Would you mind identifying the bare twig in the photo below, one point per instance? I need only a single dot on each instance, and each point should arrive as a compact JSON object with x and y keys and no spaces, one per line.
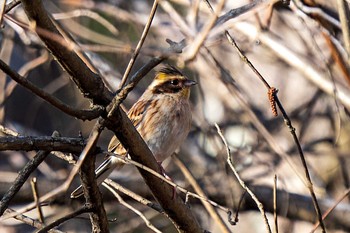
{"x":86,"y":13}
{"x":81,"y":114}
{"x":346,"y":194}
{"x":2,"y":11}
{"x":275,"y":203}
{"x":233,"y":13}
{"x":200,"y":38}
{"x":22,"y":177}
{"x":213,"y":213}
{"x":317,"y":11}
{"x":244,"y":186}
{"x":344,"y":15}
{"x":134,"y":196}
{"x":139,"y":44}
{"x":57,"y":222}
{"x":90,"y":146}
{"x":12,"y":5}
{"x":26,"y":68}
{"x":122,"y":202}
{"x":34,"y":186}
{"x":29,"y":221}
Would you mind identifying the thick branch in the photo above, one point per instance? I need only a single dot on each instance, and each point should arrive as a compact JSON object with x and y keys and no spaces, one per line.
{"x":89,"y":83}
{"x":93,"y":196}
{"x":28,"y":143}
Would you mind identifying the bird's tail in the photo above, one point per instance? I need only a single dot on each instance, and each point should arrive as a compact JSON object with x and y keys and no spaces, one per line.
{"x":102,"y":172}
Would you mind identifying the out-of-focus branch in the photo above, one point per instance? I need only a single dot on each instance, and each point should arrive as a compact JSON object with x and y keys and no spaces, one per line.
{"x":89,"y":83}
{"x":12,"y":5}
{"x":48,"y":228}
{"x":139,"y":44}
{"x":344,"y":16}
{"x":30,"y":221}
{"x":312,"y":73}
{"x":211,"y":210}
{"x":81,"y":114}
{"x":22,"y":177}
{"x":130,"y":207}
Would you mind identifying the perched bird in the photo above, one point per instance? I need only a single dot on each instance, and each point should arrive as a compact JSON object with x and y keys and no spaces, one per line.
{"x":162,"y":116}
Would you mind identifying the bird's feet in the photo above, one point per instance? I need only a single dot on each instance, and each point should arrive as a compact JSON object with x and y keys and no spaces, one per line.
{"x":168,"y":178}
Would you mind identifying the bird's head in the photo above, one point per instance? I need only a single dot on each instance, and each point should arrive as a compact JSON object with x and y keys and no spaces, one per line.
{"x":170,"y":80}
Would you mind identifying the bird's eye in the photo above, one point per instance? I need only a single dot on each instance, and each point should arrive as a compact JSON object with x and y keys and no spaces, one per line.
{"x":174,"y":82}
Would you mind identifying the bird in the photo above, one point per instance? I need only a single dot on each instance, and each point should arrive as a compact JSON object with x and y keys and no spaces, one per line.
{"x":162,"y":116}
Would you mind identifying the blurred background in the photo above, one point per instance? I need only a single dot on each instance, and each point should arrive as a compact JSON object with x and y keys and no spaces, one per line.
{"x":297,"y":46}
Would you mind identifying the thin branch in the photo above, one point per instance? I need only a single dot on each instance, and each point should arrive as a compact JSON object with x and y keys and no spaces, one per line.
{"x":22,"y":177}
{"x":27,"y":67}
{"x":246,"y":60}
{"x":81,"y":114}
{"x":134,"y":196}
{"x":244,"y":186}
{"x":29,"y":221}
{"x":2,"y":11}
{"x":87,"y":13}
{"x":34,"y":186}
{"x":344,"y":16}
{"x":139,"y":44}
{"x":227,"y":79}
{"x":212,"y":212}
{"x":57,"y":222}
{"x":275,"y":203}
{"x":340,"y":199}
{"x":122,"y":202}
{"x":233,"y":13}
{"x":90,"y":146}
{"x":288,"y":123}
{"x":200,"y":38}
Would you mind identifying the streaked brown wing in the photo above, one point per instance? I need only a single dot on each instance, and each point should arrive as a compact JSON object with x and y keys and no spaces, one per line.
{"x":113,"y":144}
{"x":135,"y":114}
{"x":137,"y":111}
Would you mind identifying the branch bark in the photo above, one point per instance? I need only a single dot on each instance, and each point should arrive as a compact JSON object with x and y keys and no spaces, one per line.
{"x":89,"y":83}
{"x":29,"y":143}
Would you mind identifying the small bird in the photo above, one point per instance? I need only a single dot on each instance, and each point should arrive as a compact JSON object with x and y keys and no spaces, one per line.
{"x":162,"y":116}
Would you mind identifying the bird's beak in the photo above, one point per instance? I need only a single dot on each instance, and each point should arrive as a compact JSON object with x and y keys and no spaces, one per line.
{"x":189,"y":83}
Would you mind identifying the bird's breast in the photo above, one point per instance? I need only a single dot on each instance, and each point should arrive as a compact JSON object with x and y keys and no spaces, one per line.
{"x":168,"y":126}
